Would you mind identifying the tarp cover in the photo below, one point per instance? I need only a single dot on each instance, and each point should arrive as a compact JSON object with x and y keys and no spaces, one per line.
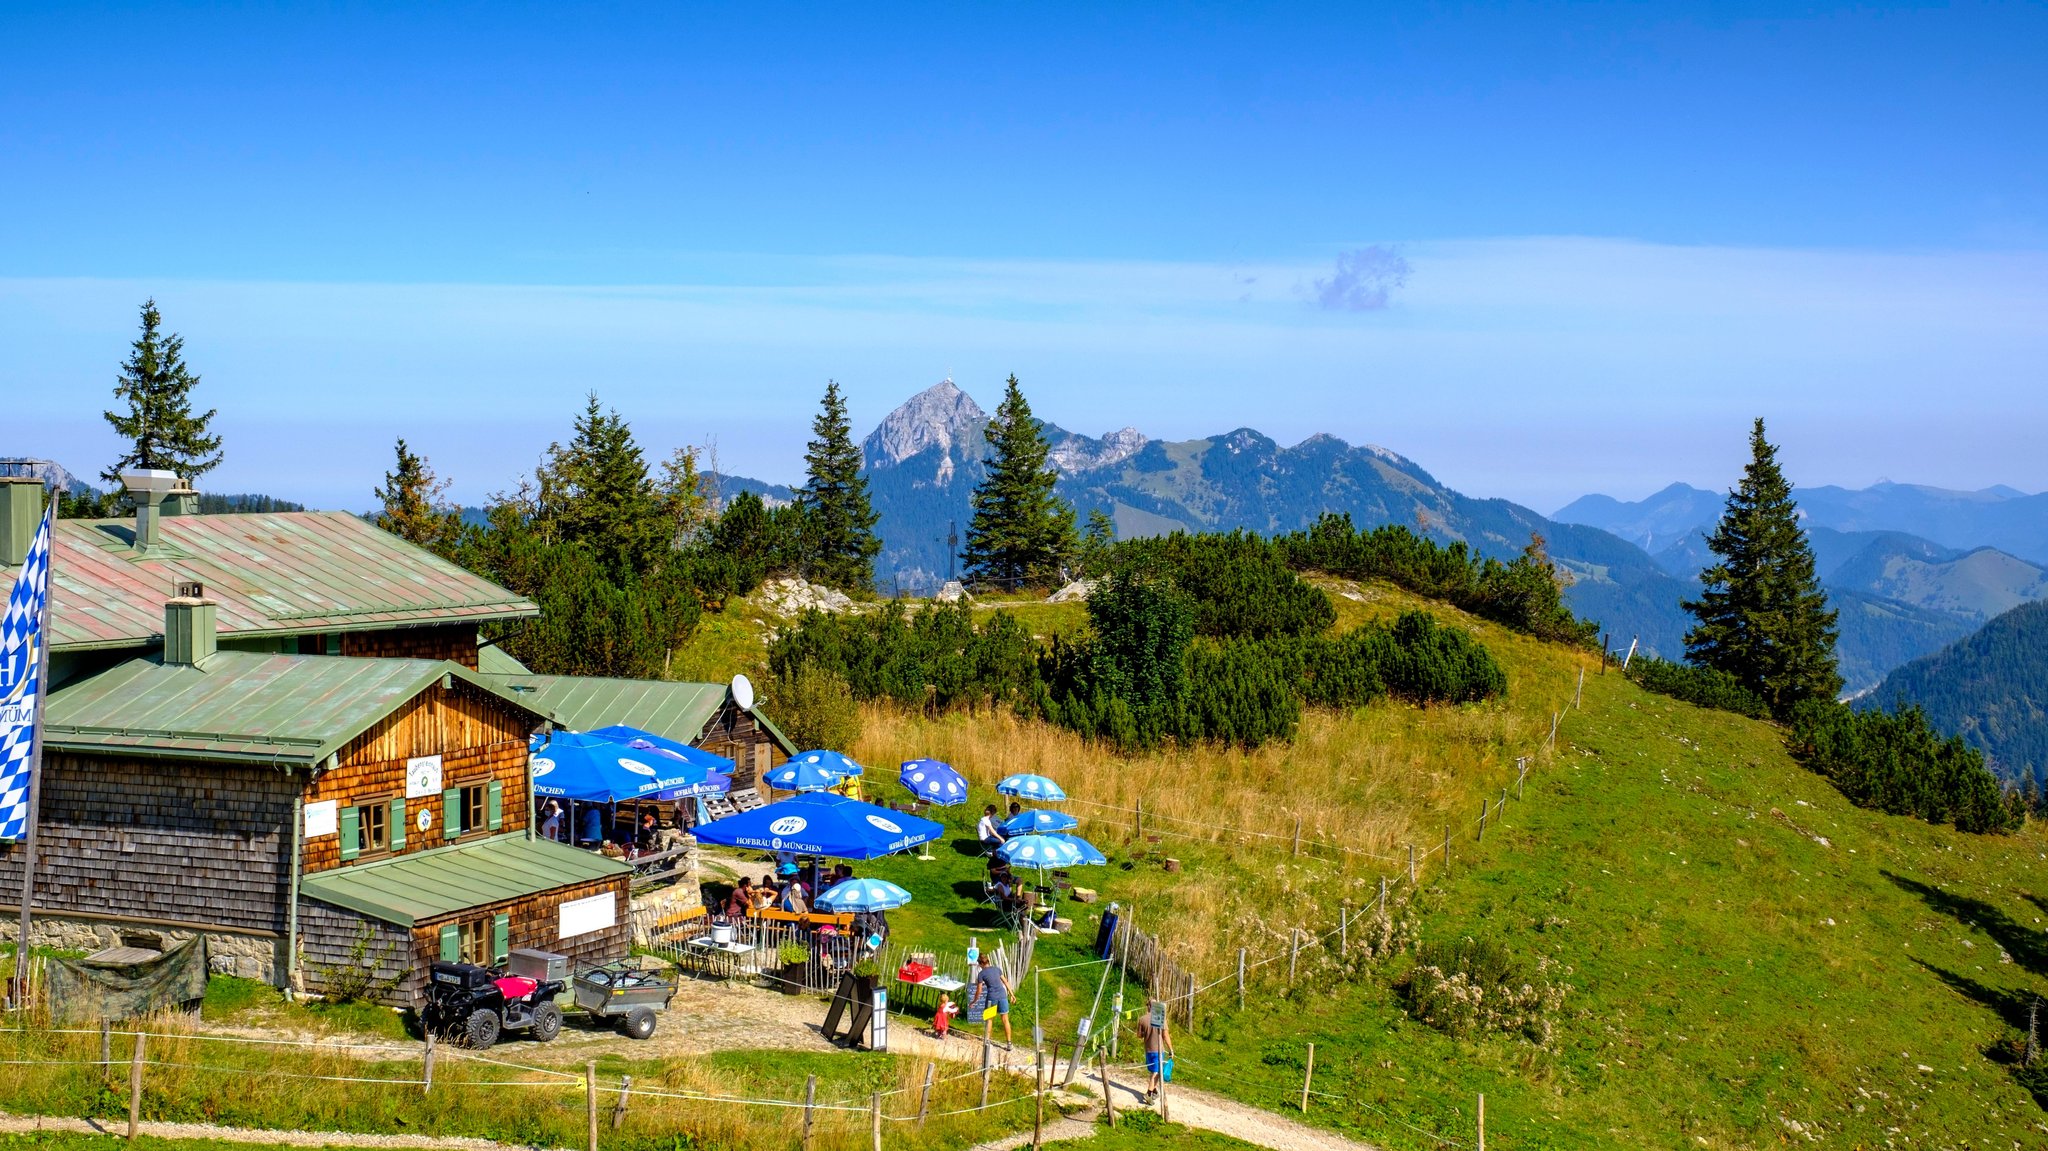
{"x":81,"y":989}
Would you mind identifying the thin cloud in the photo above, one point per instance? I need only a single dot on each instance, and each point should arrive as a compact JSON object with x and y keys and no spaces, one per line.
{"x":1364,"y":281}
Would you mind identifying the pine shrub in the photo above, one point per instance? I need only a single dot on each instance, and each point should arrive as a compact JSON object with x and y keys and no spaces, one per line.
{"x":1703,"y":686}
{"x":1896,"y":762}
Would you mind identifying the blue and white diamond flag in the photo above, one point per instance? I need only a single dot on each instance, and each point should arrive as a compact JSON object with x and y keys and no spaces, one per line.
{"x":21,"y":648}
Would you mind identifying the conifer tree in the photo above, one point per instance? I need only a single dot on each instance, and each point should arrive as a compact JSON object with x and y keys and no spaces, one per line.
{"x":596,"y":492}
{"x":1763,"y":617}
{"x":1022,"y":533}
{"x":838,"y":524}
{"x":161,"y":430}
{"x":413,"y":505}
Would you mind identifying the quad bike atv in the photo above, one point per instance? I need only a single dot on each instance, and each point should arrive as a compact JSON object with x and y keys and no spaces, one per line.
{"x":469,"y":1004}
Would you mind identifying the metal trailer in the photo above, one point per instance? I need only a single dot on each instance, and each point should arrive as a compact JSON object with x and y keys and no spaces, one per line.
{"x":623,"y":993}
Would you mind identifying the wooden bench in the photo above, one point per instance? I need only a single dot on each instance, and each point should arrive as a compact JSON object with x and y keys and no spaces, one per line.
{"x":841,"y":919}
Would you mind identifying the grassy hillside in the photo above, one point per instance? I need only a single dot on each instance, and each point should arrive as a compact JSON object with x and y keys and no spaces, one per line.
{"x":1752,"y":960}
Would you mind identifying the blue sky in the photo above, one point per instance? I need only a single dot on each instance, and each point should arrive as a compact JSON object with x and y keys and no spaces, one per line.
{"x":1542,"y":250}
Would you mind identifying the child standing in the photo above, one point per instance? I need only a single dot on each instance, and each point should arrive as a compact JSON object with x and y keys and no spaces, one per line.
{"x":943,"y":1017}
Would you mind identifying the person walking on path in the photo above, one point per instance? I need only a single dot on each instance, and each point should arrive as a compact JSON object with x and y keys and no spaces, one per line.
{"x":1158,"y":1047}
{"x":992,"y":996}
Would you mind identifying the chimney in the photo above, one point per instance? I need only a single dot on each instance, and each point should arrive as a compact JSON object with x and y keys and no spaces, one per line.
{"x":147,"y":488}
{"x":191,"y":632}
{"x":21,"y":512}
{"x":181,"y":501}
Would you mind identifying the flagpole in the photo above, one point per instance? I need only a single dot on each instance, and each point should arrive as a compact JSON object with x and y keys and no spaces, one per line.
{"x":35,"y":758}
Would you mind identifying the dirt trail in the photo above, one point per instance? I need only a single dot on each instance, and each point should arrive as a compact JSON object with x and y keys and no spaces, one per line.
{"x":22,"y":1124}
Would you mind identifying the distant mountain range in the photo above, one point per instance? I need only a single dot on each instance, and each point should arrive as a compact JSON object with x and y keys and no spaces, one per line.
{"x":1900,"y":560}
{"x":1990,"y":687}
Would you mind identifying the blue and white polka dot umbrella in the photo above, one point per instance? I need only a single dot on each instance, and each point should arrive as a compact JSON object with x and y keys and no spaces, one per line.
{"x":1032,"y":787}
{"x":1091,"y":856}
{"x":812,"y":771}
{"x":1039,"y":851}
{"x":1036,"y":822}
{"x":934,"y":782}
{"x":863,"y":895}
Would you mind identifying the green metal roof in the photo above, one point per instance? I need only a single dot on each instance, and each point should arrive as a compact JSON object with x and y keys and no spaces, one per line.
{"x":276,"y":573}
{"x":494,"y":660}
{"x":247,"y":706}
{"x":409,"y":889}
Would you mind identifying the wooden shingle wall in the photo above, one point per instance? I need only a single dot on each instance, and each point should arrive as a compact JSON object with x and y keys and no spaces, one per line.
{"x":535,"y":923}
{"x":478,"y":737}
{"x":455,"y":642}
{"x":162,"y":839}
{"x":329,"y":937}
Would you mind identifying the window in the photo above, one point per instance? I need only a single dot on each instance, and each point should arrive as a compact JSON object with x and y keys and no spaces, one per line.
{"x":373,"y":829}
{"x":485,"y":941}
{"x":476,"y":942}
{"x":472,"y":807}
{"x":475,"y":797}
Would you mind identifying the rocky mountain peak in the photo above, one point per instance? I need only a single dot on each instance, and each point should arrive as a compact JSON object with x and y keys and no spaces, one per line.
{"x":942,"y":416}
{"x":1072,"y":454}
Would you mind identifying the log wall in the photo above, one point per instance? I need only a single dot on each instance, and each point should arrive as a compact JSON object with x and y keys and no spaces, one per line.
{"x":452,"y":641}
{"x":738,"y":736}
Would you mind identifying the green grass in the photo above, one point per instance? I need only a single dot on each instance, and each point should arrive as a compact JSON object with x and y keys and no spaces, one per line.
{"x":69,"y":1141}
{"x":1144,"y":1131}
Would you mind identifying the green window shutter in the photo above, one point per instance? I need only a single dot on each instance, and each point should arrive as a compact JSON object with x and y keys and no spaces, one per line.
{"x":333,"y":645}
{"x":501,"y":937}
{"x":451,"y":942}
{"x":451,"y":812}
{"x":351,"y":832}
{"x":496,"y":806}
{"x":397,"y":825}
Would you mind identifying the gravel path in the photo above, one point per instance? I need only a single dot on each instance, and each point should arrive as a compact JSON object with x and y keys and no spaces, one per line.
{"x":21,"y":1124}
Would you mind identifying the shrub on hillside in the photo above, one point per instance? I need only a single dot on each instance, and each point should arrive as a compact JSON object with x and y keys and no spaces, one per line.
{"x":1239,"y":585}
{"x":935,"y":658}
{"x":1476,"y":985}
{"x":1703,"y":686}
{"x":1898,"y":763}
{"x":816,"y":708}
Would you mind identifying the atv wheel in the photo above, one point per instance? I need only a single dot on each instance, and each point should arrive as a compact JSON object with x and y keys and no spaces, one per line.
{"x":639,"y":1023}
{"x":480,"y":1030}
{"x":547,"y":1021}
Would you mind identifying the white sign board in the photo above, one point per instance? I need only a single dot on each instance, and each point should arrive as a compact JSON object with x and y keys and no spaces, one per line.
{"x":322,"y":818}
{"x":592,"y":913}
{"x":423,"y":777}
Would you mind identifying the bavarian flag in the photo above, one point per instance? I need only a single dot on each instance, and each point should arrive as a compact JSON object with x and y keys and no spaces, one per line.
{"x":22,"y":635}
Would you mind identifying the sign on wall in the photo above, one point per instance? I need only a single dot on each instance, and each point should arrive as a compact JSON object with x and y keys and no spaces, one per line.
{"x":423,"y":777}
{"x":321,"y":818}
{"x":591,"y":913}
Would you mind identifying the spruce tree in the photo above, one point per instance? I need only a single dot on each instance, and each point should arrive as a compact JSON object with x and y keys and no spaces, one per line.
{"x":1022,"y":533}
{"x":159,"y":425}
{"x":838,"y":524}
{"x":596,"y":492}
{"x":413,"y":505}
{"x":1763,"y":617}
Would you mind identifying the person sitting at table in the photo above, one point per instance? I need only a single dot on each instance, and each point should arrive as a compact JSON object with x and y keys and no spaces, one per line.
{"x":650,"y":833}
{"x":741,"y":901}
{"x":593,"y":826}
{"x":841,"y":874}
{"x":764,"y":893}
{"x":792,"y":899}
{"x":990,"y":835}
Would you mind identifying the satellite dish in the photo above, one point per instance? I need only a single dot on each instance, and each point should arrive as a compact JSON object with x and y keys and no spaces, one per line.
{"x":743,"y":692}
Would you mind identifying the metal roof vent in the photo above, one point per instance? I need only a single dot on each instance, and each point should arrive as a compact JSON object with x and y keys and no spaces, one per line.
{"x":21,"y":512}
{"x":191,"y":631}
{"x":148,"y":487}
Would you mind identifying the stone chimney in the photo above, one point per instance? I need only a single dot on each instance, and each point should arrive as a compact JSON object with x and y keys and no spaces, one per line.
{"x":147,"y":488}
{"x":21,"y":512}
{"x":191,"y":632}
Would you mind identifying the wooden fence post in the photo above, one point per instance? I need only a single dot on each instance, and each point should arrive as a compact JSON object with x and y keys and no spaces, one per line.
{"x":875,"y":1121}
{"x":1343,"y":929}
{"x":810,"y":1103}
{"x":984,"y":1070}
{"x":1383,"y":894}
{"x":1108,"y":1106}
{"x":1038,"y":1105}
{"x":1447,"y":850}
{"x":1240,"y":979}
{"x":1308,"y":1073}
{"x":135,"y":1087}
{"x":1579,"y":691}
{"x":1297,"y":835}
{"x":1521,"y":773}
{"x":1164,"y":1114}
{"x":924,"y":1098}
{"x":1482,"y":1122}
{"x":1294,"y":953}
{"x":1138,"y":820}
{"x":590,"y":1099}
{"x":1411,"y":865}
{"x":619,"y":1108}
{"x":427,"y":1064}
{"x":1483,"y":805}
{"x":106,"y":1047}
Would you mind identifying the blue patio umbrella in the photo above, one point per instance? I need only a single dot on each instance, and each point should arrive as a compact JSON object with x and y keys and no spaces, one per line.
{"x":573,"y":765}
{"x":1040,"y":851}
{"x":934,"y":782}
{"x":863,"y":895}
{"x":1037,"y":822}
{"x":1091,"y":856}
{"x":718,"y":769}
{"x":799,"y":776}
{"x":1032,"y":787}
{"x":821,"y":823}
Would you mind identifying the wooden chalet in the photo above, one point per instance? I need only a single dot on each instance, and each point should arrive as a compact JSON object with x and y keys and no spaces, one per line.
{"x":270,"y":729}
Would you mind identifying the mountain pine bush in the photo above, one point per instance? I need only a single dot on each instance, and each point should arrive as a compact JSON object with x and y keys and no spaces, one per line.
{"x":1702,"y":686}
{"x":1898,"y":763}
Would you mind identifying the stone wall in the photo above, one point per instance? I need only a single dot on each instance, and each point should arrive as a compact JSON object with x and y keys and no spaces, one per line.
{"x":249,"y":956}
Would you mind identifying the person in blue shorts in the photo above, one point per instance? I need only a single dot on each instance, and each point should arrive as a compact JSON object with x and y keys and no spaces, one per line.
{"x":1158,"y":1046}
{"x":992,"y":998}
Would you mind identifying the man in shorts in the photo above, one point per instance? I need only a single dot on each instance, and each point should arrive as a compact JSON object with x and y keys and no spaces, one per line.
{"x":1158,"y":1047}
{"x":992,"y":998}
